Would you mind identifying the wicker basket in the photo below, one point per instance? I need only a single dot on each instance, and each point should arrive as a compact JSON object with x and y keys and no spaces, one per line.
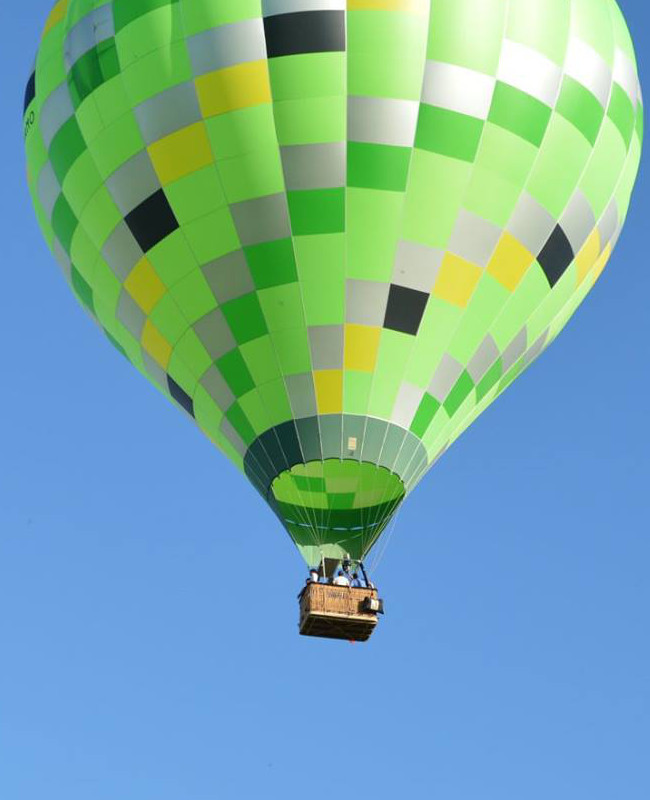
{"x":335,"y":612}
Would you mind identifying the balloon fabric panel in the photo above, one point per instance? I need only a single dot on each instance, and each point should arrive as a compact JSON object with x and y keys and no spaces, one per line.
{"x":332,"y":232}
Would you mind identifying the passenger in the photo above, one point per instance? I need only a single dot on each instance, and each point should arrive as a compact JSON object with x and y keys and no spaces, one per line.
{"x":313,"y":575}
{"x":341,"y":579}
{"x":356,"y":581}
{"x":343,"y":575}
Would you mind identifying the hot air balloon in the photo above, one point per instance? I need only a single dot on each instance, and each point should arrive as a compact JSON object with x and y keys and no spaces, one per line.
{"x":332,"y":231}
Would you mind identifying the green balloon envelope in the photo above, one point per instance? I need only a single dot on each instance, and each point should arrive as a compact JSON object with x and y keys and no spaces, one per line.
{"x":333,"y":232}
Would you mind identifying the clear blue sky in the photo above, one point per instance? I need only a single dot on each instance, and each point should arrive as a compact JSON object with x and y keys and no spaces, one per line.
{"x":148,"y":644}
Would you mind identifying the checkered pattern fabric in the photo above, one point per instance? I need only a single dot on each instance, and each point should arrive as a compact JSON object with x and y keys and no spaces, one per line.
{"x":333,"y":231}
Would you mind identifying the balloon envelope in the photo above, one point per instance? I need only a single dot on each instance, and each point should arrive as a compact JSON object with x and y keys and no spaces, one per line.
{"x":332,"y":232}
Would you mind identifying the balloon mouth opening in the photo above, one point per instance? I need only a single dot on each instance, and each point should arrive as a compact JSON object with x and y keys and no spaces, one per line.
{"x":336,"y":506}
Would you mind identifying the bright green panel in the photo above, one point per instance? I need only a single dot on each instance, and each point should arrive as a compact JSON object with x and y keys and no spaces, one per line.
{"x":621,"y":112}
{"x":94,"y":68}
{"x":317,"y":211}
{"x":245,"y":318}
{"x":448,"y":133}
{"x":579,"y":106}
{"x":519,"y":113}
{"x":66,"y":147}
{"x":272,"y":263}
{"x":461,"y":390}
{"x":378,"y":166}
{"x":127,"y":11}
{"x":426,"y":412}
{"x":235,"y":370}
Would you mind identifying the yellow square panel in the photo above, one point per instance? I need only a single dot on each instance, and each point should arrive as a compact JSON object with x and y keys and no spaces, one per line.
{"x":509,"y":262}
{"x":156,"y":345}
{"x":56,"y":15}
{"x":144,"y":285}
{"x":588,"y":255}
{"x":361,"y":344}
{"x":329,"y":391}
{"x":241,"y":86}
{"x":601,"y":263}
{"x":410,"y":6}
{"x":456,"y":280}
{"x":181,"y":152}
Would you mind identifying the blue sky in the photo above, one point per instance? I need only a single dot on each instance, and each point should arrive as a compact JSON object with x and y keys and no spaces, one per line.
{"x":147,"y":597}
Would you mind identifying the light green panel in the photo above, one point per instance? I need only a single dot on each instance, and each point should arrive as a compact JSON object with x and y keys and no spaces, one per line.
{"x":196,"y":194}
{"x":542,"y":25}
{"x":211,"y":236}
{"x":200,"y":16}
{"x":429,"y":217}
{"x":291,"y":349}
{"x":394,"y":351}
{"x":260,"y":359}
{"x":191,"y":352}
{"x":559,"y":166}
{"x":468,"y":33}
{"x":532,"y":290}
{"x":149,"y":33}
{"x":604,"y":169}
{"x":162,"y":69}
{"x":487,"y":301}
{"x":374,"y":218}
{"x":592,"y":22}
{"x":386,"y":50}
